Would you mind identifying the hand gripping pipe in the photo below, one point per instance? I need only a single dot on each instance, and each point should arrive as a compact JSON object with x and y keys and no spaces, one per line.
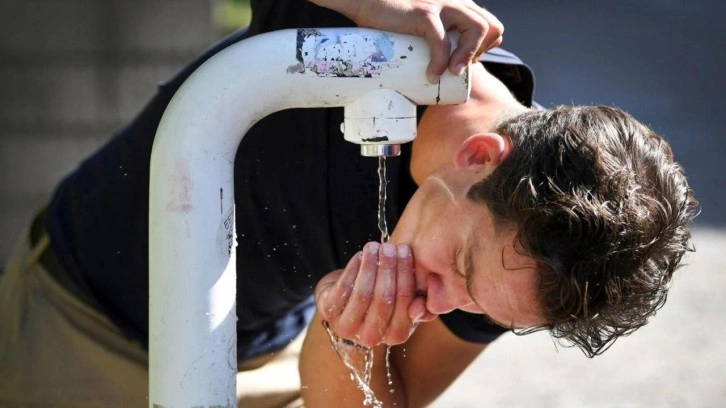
{"x":377,"y":76}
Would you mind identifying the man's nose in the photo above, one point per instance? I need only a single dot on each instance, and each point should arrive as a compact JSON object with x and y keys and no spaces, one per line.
{"x":450,"y":294}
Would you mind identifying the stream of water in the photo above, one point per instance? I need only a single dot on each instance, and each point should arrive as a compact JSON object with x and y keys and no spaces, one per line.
{"x":362,"y":375}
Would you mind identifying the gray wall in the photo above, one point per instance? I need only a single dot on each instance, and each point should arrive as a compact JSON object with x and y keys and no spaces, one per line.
{"x":73,"y":71}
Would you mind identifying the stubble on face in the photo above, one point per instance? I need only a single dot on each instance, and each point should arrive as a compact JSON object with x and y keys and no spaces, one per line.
{"x":502,"y":280}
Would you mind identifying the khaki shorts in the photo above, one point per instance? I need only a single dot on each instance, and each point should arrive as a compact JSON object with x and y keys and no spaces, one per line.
{"x":55,"y":351}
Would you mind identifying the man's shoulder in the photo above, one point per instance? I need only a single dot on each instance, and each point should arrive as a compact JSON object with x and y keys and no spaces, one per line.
{"x":512,"y":71}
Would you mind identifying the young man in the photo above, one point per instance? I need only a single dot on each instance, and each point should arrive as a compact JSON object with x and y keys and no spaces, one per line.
{"x":74,"y":304}
{"x":571,"y":220}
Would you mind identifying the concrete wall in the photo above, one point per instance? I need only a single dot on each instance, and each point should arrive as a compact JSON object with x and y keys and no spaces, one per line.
{"x":73,"y":71}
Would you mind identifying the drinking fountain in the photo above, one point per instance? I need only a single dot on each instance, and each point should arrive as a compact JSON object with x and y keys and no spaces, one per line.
{"x":377,"y":76}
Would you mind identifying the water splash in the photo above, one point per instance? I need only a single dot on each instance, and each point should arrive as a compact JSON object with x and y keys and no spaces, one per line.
{"x":362,"y":377}
{"x":383,"y":227}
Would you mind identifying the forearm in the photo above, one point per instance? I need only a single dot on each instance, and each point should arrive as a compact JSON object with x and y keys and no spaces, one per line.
{"x":326,"y":381}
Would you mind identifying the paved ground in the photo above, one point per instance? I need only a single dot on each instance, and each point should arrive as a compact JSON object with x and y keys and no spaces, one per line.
{"x":678,"y":360}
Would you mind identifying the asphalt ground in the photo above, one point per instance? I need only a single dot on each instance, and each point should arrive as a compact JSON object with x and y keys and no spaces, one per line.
{"x":677,"y":360}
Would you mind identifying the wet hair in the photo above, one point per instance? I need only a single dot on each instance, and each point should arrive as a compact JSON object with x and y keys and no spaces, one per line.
{"x":599,"y":202}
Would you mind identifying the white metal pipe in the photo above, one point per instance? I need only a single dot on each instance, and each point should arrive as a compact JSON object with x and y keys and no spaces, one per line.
{"x":192,"y":263}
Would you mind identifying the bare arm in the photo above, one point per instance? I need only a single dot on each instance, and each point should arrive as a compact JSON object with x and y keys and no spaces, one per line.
{"x":421,"y":368}
{"x":431,"y":360}
{"x":480,"y":30}
{"x":372,"y":301}
{"x":326,"y":381}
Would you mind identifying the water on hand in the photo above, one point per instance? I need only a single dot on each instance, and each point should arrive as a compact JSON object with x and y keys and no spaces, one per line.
{"x":362,"y":377}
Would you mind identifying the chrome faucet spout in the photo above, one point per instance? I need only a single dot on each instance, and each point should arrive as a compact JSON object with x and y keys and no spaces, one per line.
{"x":380,"y":121}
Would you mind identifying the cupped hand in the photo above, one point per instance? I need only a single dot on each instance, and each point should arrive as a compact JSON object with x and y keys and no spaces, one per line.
{"x":479,"y":29}
{"x":373,"y":300}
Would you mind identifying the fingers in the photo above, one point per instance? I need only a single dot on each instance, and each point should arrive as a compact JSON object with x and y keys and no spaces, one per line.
{"x":378,"y":316}
{"x":334,"y":289}
{"x":368,"y":302}
{"x":493,"y":30}
{"x":440,"y":49}
{"x":401,"y":326}
{"x":495,"y":34}
{"x":350,"y":324}
{"x":479,"y":31}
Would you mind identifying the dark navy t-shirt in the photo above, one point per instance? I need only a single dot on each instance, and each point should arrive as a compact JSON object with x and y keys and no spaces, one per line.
{"x":306,"y":201}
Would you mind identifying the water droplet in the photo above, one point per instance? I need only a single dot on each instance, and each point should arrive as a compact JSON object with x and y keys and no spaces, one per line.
{"x":362,"y":377}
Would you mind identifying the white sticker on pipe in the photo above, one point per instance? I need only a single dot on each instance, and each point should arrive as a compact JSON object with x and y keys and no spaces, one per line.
{"x":345,"y":52}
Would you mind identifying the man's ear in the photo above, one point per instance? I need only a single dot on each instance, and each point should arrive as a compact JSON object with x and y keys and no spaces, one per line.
{"x":482,"y":149}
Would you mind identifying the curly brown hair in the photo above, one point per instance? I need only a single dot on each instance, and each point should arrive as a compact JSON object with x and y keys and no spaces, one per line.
{"x":599,"y":202}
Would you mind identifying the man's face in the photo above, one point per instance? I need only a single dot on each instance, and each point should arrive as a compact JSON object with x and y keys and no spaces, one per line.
{"x":463,"y":262}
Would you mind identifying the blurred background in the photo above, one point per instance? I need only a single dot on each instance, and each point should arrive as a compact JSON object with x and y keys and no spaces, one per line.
{"x":73,"y":71}
{"x":660,"y":60}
